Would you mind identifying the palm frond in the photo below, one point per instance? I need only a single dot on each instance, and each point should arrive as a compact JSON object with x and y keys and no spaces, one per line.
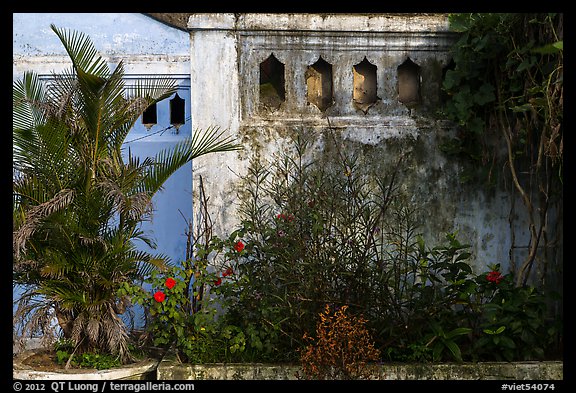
{"x":28,"y":106}
{"x":46,"y":154}
{"x":212,"y":140}
{"x":35,"y":215}
{"x":38,"y":317}
{"x":168,"y":161}
{"x":152,"y":89}
{"x":82,"y":52}
{"x":115,"y":335}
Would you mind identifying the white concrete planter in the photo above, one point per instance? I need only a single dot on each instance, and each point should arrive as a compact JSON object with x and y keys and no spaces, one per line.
{"x":145,"y":369}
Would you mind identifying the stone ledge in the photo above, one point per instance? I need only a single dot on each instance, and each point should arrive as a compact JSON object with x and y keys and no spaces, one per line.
{"x":382,"y":22}
{"x":170,"y":369}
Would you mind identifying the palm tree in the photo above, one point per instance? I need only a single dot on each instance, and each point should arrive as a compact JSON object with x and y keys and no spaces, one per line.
{"x":77,"y":204}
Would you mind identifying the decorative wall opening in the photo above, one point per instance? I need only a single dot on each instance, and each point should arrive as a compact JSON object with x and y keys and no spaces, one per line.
{"x":150,"y":116}
{"x":448,"y":67}
{"x":365,"y":85}
{"x":272,"y":83}
{"x":319,"y":84}
{"x":409,"y":83}
{"x":177,"y":111}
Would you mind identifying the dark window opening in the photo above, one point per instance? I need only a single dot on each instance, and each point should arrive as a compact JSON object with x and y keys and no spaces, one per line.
{"x":177,"y":118}
{"x":409,"y":83}
{"x":319,"y":84}
{"x":150,"y":117}
{"x":365,"y":85}
{"x":272,"y":90}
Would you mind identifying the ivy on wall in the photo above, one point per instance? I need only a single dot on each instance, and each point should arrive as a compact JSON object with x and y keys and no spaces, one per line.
{"x":505,"y":91}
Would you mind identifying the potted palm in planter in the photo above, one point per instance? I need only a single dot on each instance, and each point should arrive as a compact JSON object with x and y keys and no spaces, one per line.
{"x":78,"y":203}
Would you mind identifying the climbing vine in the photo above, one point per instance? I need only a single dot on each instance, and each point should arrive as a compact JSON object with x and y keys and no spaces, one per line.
{"x":505,"y":92}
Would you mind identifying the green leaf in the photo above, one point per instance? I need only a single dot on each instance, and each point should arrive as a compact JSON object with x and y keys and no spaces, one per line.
{"x":437,"y":351}
{"x":526,"y":64}
{"x":521,"y":108}
{"x":559,"y":45}
{"x":476,"y":125}
{"x":485,"y":94}
{"x":451,"y":79}
{"x":507,"y":342}
{"x":555,"y":47}
{"x":458,"y":332}
{"x":454,"y":349}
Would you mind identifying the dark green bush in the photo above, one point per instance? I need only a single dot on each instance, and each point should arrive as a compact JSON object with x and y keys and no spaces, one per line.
{"x":318,"y":233}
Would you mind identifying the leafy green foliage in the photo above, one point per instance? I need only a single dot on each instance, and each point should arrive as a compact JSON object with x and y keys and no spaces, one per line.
{"x":505,"y":93}
{"x":315,"y":236}
{"x":197,"y":333}
{"x":511,"y":323}
{"x":65,"y":355}
{"x":501,"y":65}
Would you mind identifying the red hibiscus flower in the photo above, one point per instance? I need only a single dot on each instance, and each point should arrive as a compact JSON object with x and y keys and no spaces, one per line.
{"x":495,"y":277}
{"x":159,"y":296}
{"x":218,"y":282}
{"x":285,"y":217}
{"x":239,"y":246}
{"x":170,"y":282}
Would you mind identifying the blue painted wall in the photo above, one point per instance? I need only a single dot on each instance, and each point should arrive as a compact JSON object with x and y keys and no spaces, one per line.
{"x":134,"y":38}
{"x":112,"y":33}
{"x":147,"y":48}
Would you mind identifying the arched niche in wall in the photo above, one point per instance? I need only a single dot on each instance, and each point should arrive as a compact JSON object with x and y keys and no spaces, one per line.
{"x":319,"y":84}
{"x":365,"y":85}
{"x":409,"y":83}
{"x":272,"y":83}
{"x":177,"y":110}
{"x":448,"y":67}
{"x":150,"y":116}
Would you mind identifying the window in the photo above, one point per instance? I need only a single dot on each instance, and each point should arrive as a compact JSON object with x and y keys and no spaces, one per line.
{"x":409,"y":83}
{"x":272,"y":90}
{"x":365,"y":85}
{"x":319,"y":84}
{"x":177,"y":117}
{"x":150,"y":117}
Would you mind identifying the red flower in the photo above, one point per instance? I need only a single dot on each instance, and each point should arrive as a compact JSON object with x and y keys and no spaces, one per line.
{"x":228,"y":272}
{"x":218,"y":282}
{"x":495,"y":277}
{"x":239,"y":246}
{"x":285,"y":217}
{"x":170,"y":282}
{"x":159,"y":296}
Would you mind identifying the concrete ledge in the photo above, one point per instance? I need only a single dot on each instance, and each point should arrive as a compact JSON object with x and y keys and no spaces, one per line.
{"x":320,"y":22}
{"x":171,"y":369}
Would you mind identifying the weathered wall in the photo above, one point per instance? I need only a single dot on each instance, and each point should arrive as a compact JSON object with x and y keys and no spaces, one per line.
{"x":226,"y":53}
